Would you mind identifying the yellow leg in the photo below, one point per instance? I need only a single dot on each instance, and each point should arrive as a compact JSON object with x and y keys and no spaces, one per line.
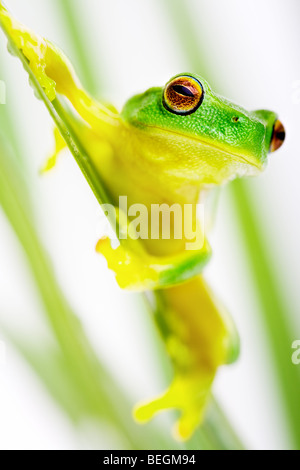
{"x":200,"y":337}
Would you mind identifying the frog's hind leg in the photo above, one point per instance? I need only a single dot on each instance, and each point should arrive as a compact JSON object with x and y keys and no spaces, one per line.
{"x":200,"y":337}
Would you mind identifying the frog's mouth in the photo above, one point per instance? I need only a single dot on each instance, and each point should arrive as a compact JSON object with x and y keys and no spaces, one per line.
{"x":270,"y":140}
{"x":244,"y":158}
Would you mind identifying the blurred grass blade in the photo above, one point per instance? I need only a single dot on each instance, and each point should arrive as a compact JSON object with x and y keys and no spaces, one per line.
{"x":74,"y":376}
{"x":216,"y":432}
{"x":269,"y":291}
{"x":274,"y":307}
{"x":70,"y":13}
{"x":60,"y":118}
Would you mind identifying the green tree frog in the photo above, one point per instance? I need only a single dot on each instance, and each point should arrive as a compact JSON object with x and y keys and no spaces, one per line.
{"x":169,"y":145}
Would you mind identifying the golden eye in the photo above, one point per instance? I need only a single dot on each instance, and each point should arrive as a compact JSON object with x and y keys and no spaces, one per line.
{"x":278,"y":136}
{"x":183,"y":95}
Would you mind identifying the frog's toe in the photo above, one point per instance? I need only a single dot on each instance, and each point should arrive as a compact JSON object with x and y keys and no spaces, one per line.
{"x":104,"y":247}
{"x":116,"y":260}
{"x":146,"y":411}
{"x":131,"y":270}
{"x":60,"y":145}
{"x":189,"y":395}
{"x":188,"y":423}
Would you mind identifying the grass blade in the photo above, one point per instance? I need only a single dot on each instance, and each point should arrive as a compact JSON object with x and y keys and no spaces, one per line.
{"x":67,"y":330}
{"x":251,"y":226}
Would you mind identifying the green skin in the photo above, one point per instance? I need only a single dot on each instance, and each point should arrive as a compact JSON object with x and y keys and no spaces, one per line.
{"x":176,"y":158}
{"x":153,"y":155}
{"x":213,"y":123}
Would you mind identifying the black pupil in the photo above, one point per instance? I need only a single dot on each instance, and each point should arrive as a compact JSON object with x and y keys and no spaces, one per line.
{"x":280,"y":135}
{"x":183,"y":90}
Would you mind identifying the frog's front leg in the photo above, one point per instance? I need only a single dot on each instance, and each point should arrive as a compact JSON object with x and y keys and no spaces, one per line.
{"x":140,"y":271}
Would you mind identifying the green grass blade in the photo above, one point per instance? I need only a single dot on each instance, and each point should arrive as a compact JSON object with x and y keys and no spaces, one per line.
{"x":60,"y":118}
{"x":69,"y":13}
{"x":94,"y":392}
{"x":274,"y":308}
{"x":88,"y":386}
{"x":67,"y":330}
{"x":210,"y":437}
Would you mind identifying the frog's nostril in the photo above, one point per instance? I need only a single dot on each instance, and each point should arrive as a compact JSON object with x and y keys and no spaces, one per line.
{"x":278,"y":136}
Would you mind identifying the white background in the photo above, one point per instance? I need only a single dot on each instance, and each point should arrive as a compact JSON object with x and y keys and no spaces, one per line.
{"x":253,"y":46}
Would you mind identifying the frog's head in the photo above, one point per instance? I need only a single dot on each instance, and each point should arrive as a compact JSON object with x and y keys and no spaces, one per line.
{"x":193,"y":133}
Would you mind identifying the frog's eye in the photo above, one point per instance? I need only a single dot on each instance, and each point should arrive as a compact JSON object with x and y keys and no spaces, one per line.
{"x":278,"y":136}
{"x":183,"y":95}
